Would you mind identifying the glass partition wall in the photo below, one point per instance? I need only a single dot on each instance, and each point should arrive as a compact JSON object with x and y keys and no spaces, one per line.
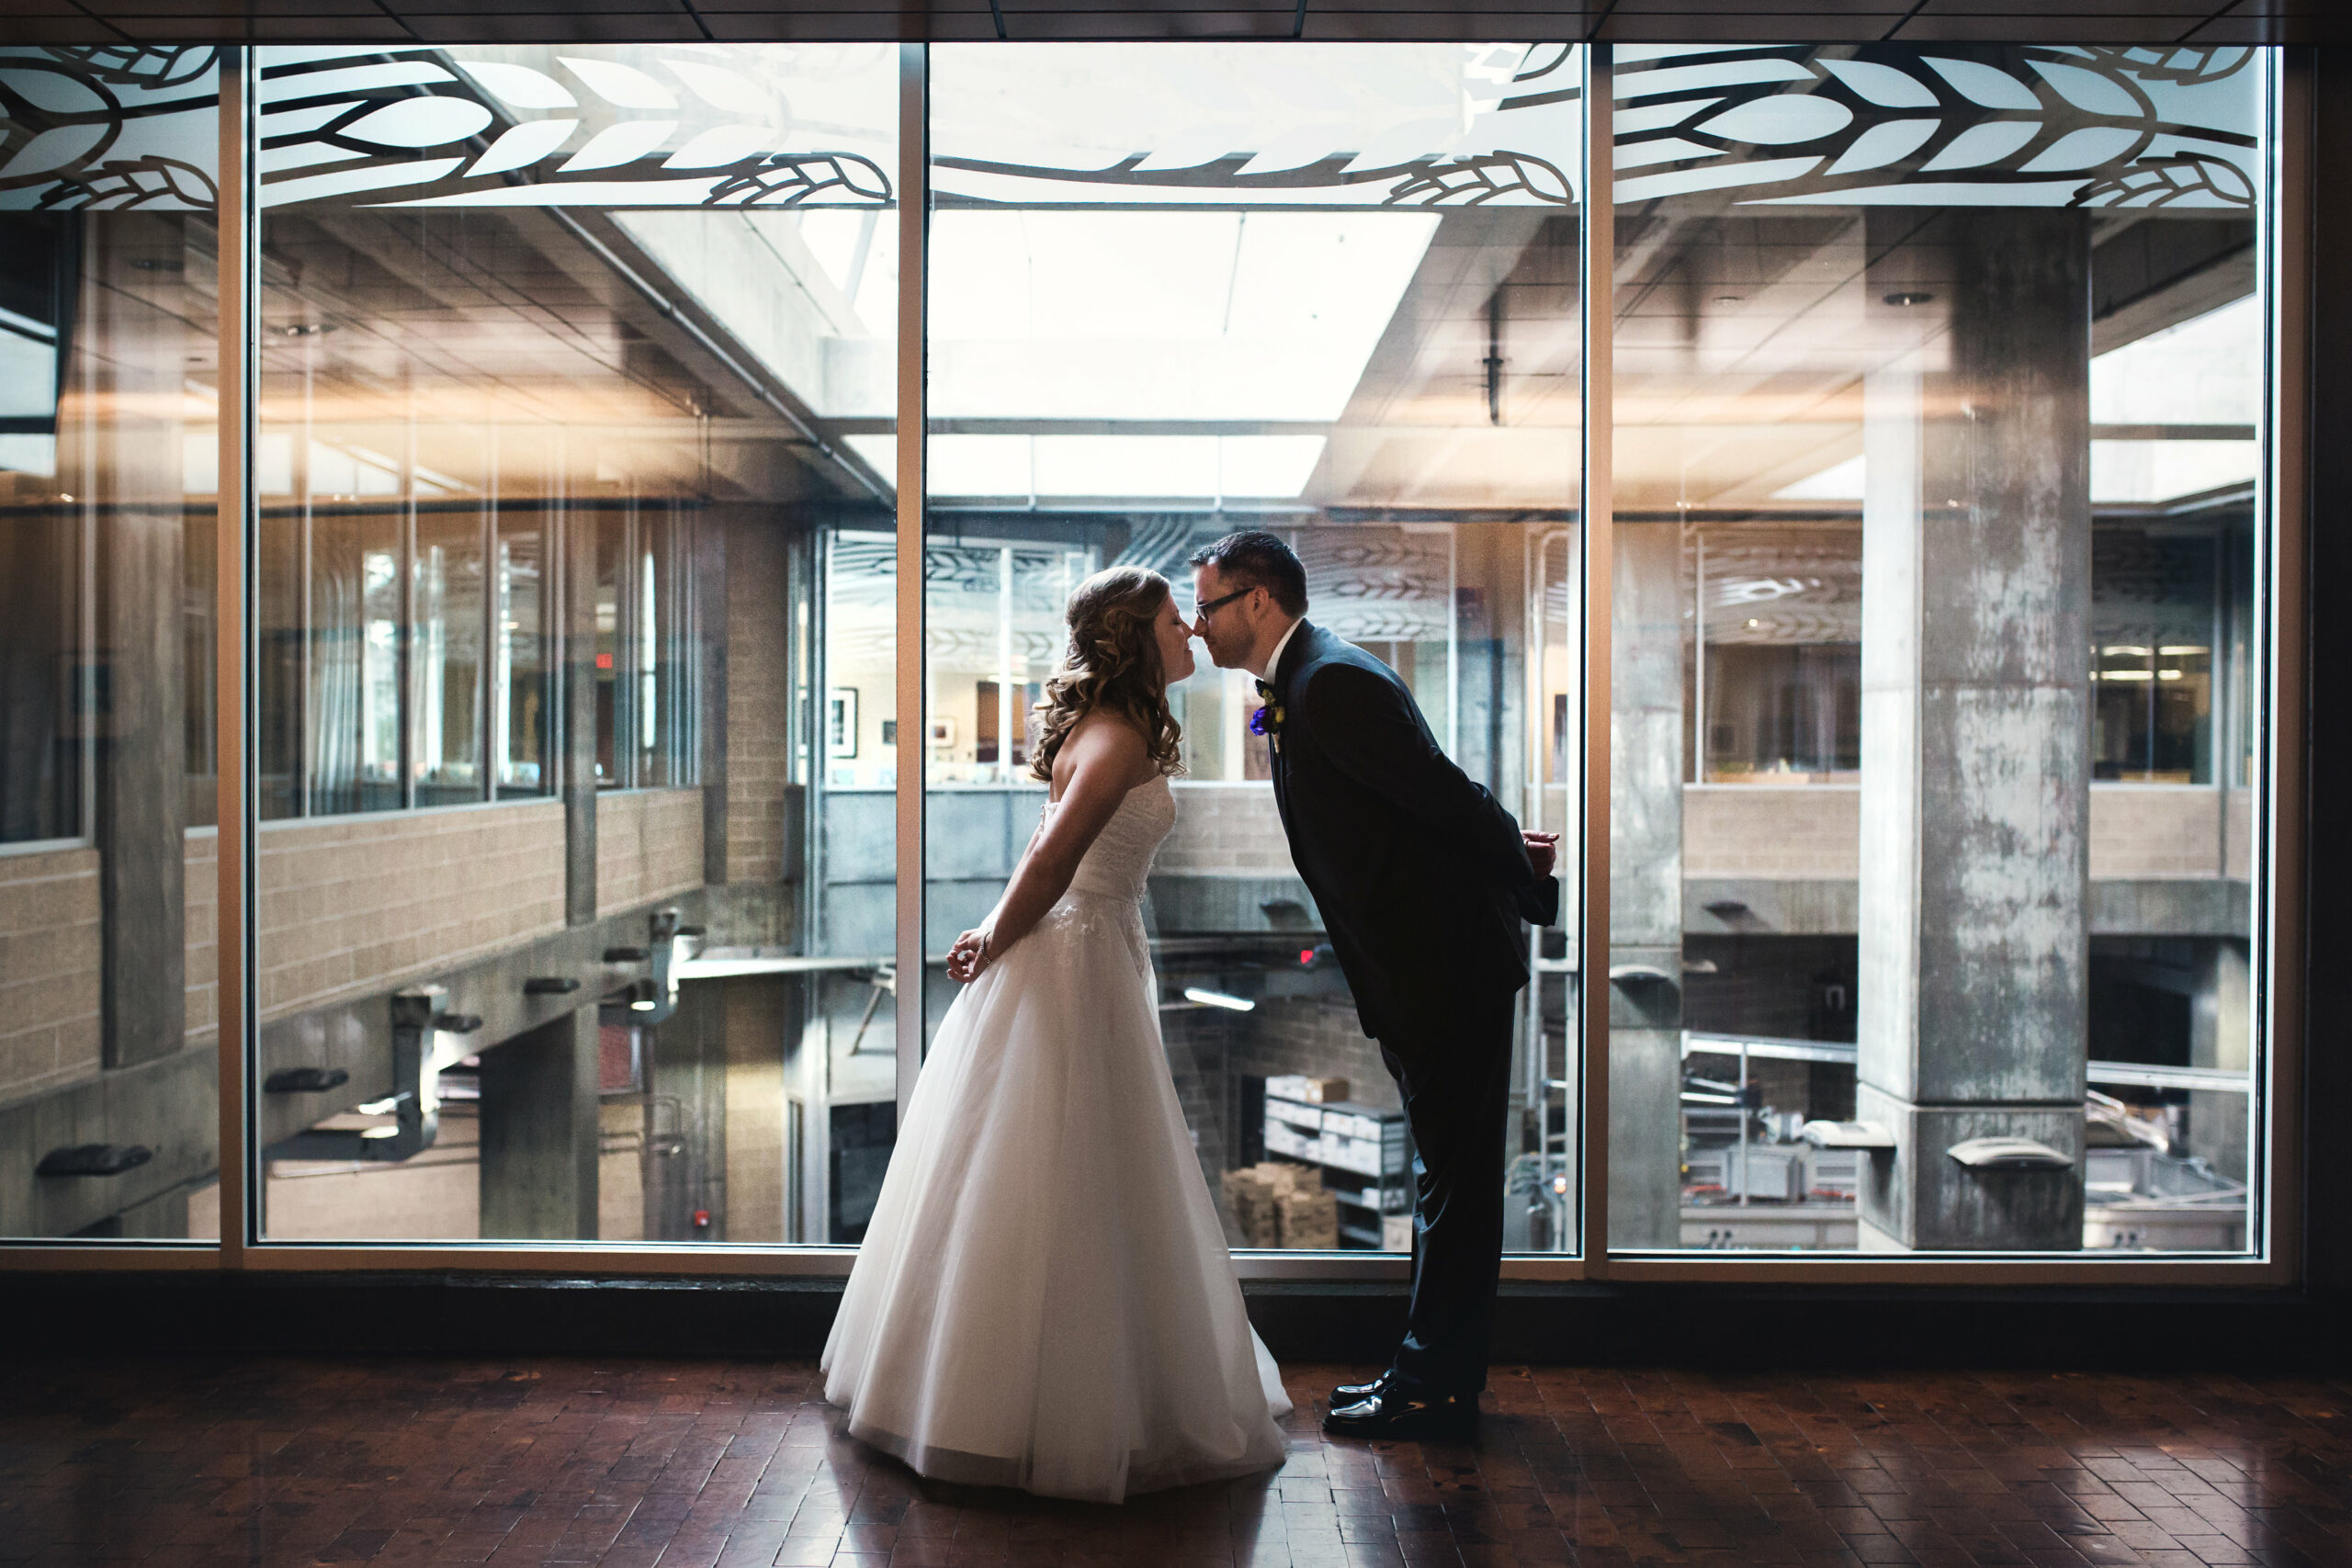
{"x":557,"y":577}
{"x":1331,"y":291}
{"x":110,"y":407}
{"x":1938,"y":382}
{"x":1929,"y":576}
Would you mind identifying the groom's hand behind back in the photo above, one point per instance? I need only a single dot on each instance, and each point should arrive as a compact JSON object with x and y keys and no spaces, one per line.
{"x":1544,"y":850}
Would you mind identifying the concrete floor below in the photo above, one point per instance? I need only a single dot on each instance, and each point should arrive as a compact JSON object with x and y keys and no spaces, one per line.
{"x":202,"y":1463}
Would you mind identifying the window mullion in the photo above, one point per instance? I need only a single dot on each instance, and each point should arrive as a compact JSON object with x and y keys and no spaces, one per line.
{"x":913,"y":195}
{"x":1598,"y":257}
{"x":234,"y":528}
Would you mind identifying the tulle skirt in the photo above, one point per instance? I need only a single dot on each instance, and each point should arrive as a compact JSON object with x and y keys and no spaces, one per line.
{"x":1043,"y":1299}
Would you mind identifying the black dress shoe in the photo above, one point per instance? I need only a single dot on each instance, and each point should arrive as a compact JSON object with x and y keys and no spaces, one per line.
{"x":1393,"y":1412}
{"x":1349,"y":1393}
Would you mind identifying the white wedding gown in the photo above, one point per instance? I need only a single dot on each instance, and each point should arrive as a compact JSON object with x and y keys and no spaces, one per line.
{"x":1043,"y":1298}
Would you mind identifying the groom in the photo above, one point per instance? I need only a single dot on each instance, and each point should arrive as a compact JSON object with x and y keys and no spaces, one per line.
{"x":1422,"y":881}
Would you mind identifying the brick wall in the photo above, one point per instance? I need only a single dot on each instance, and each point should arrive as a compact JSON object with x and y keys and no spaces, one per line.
{"x":648,"y":846}
{"x":50,"y":1027}
{"x":1228,"y":829}
{"x":346,"y":904}
{"x":754,"y":1024}
{"x":203,"y":933}
{"x":2153,"y":830}
{"x":1814,"y":831}
{"x":1761,"y":830}
{"x":759,"y":702}
{"x":1315,"y":1035}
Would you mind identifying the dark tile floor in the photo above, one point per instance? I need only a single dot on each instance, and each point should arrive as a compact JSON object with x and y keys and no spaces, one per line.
{"x":698,"y":1463}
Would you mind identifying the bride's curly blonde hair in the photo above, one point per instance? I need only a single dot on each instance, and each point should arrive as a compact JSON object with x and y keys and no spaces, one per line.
{"x":1113,"y":664}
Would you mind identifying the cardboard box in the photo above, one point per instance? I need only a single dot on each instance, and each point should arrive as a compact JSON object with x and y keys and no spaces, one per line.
{"x":1309,"y":1219}
{"x":1307,"y":1090}
{"x":1255,"y":1196}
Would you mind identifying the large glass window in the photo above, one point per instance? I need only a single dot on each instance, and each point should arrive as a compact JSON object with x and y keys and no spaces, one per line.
{"x":554,"y":346}
{"x":1938,"y":386}
{"x":1182,"y":290}
{"x":110,"y":397}
{"x":1938,"y":402}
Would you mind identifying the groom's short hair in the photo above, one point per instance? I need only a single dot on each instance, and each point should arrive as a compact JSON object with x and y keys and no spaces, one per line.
{"x":1256,"y":559}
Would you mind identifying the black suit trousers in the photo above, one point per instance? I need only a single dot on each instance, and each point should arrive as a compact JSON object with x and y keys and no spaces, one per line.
{"x":1456,"y":1077}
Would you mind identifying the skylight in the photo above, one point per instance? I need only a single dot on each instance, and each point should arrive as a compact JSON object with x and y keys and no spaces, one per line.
{"x":2182,"y":405}
{"x":1182,"y":315}
{"x":1842,"y":482}
{"x":2205,"y":370}
{"x":1141,"y":467}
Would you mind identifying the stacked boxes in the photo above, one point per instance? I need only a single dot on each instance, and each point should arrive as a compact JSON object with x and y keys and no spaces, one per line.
{"x":1309,"y":1216}
{"x":1294,"y":1130}
{"x":1283,"y":1205}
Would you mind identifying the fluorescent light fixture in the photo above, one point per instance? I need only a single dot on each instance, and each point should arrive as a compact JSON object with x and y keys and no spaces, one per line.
{"x":384,"y":1107}
{"x":1219,"y":999}
{"x":379,"y":1131}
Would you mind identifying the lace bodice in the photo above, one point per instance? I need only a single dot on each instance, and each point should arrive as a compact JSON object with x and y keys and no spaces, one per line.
{"x":1120,"y":857}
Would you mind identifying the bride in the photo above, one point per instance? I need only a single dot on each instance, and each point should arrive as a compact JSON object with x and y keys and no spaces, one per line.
{"x":1043,"y":1299}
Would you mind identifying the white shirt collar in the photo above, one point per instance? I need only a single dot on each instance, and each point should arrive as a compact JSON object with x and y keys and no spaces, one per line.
{"x":1275,"y":661}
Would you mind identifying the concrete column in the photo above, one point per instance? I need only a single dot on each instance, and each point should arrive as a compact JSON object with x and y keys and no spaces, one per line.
{"x":579,"y":745}
{"x":2221,"y":1034}
{"x":133,"y":377}
{"x":1645,"y":952}
{"x":540,"y":1133}
{"x":705,"y":571}
{"x":1974,"y":954}
{"x":686,"y":1084}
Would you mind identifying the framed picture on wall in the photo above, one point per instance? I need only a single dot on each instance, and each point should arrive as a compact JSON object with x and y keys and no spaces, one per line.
{"x":840,"y":722}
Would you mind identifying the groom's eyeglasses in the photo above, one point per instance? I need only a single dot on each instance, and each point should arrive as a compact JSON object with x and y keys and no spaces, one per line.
{"x":1202,"y":611}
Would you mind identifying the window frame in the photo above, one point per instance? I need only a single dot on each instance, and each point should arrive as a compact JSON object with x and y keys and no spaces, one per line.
{"x":2277,"y":790}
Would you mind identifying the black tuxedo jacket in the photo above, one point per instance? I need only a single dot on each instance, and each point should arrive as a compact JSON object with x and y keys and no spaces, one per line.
{"x":1420,"y":873}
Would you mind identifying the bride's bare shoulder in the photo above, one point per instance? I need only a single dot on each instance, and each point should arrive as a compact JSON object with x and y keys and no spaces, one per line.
{"x":1107,"y":736}
{"x":1105,"y":743}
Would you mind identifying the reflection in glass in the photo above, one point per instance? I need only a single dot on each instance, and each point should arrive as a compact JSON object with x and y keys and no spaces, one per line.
{"x":109,"y":444}
{"x":1182,"y":290}
{"x":521,"y":721}
{"x":1939,"y":385}
{"x":547,"y":472}
{"x":445,"y":658}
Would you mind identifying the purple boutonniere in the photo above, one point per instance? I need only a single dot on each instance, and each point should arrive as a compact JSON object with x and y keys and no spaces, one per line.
{"x":1268,"y":721}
